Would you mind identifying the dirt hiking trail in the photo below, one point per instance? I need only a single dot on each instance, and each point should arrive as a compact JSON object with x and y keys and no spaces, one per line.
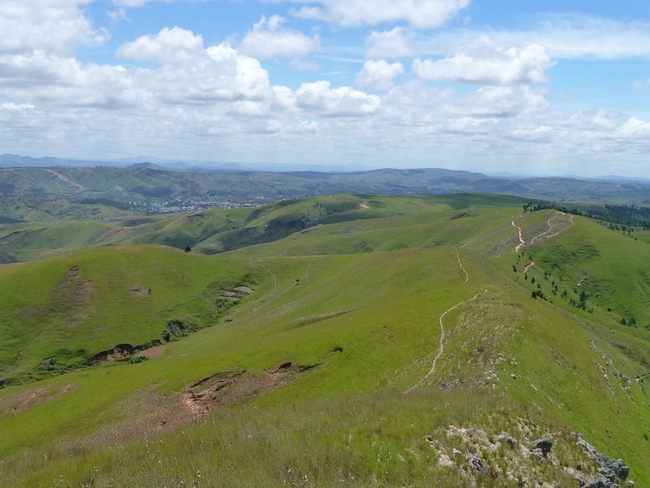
{"x":544,"y":235}
{"x":441,"y":347}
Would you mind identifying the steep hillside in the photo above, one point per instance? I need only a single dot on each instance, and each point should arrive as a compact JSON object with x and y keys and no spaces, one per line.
{"x":72,"y":308}
{"x":444,"y":356}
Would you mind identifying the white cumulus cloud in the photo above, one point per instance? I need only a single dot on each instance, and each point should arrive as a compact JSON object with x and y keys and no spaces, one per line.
{"x":503,"y":101}
{"x":319,"y":98}
{"x":486,"y":63}
{"x":566,"y":36}
{"x":378,"y":75}
{"x":395,"y":43}
{"x":168,"y":46}
{"x":418,"y":13}
{"x":51,"y":26}
{"x":268,"y":40}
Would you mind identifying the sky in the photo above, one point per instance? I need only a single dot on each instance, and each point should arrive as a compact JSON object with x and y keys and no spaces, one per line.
{"x":513,"y":86}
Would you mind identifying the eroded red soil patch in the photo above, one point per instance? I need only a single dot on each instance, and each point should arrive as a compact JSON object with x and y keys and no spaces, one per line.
{"x":237,"y":386}
{"x":38,"y":396}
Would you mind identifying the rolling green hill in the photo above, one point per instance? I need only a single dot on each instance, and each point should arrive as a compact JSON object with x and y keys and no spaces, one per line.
{"x":338,"y":341}
{"x":217,"y":231}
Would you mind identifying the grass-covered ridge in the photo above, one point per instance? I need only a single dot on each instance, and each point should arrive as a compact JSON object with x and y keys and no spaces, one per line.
{"x":217,"y":231}
{"x":309,"y":379}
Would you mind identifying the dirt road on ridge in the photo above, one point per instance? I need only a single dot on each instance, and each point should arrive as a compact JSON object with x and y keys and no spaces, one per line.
{"x":64,"y":178}
{"x":544,"y":235}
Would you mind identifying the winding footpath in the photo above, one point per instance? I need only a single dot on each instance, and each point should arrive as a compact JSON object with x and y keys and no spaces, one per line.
{"x":521,"y":239}
{"x":461,"y":267}
{"x":441,"y":347}
{"x":522,"y":243}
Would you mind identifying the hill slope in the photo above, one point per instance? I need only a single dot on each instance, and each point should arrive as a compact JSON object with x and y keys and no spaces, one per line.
{"x":217,"y":231}
{"x":389,"y":368}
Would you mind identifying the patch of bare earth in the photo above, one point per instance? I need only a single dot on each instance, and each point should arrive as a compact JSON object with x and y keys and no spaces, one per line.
{"x":153,"y":352}
{"x":82,"y":291}
{"x":244,"y":289}
{"x":71,"y":294}
{"x":30,"y":313}
{"x":135,"y":290}
{"x":237,"y":386}
{"x":149,"y":411}
{"x":118,"y":352}
{"x":36,"y":397}
{"x":142,"y":413}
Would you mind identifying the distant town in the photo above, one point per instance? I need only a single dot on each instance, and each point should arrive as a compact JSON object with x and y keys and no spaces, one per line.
{"x":188,"y":206}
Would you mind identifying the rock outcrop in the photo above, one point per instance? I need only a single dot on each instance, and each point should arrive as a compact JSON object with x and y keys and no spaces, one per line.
{"x":609,"y":468}
{"x":600,"y":482}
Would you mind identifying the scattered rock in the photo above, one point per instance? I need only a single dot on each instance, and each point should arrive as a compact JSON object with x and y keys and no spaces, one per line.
{"x":507,"y":439}
{"x":543,"y":445}
{"x":600,"y":482}
{"x":611,"y":469}
{"x":445,"y":462}
{"x":538,"y":454}
{"x":585,"y":447}
{"x":608,"y":473}
{"x":533,"y":387}
{"x":477,"y":464}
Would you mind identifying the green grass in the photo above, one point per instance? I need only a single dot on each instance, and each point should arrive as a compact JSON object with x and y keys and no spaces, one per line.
{"x":217,"y":231}
{"x":116,"y":295}
{"x":367,"y":326}
{"x":361,"y":440}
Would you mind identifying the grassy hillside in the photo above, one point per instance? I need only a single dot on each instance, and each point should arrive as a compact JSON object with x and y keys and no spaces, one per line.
{"x":76,"y":306}
{"x":217,"y":231}
{"x":337,"y":365}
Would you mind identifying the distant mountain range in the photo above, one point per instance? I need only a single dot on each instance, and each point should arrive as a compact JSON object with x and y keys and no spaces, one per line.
{"x":16,"y":161}
{"x":133,"y":181}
